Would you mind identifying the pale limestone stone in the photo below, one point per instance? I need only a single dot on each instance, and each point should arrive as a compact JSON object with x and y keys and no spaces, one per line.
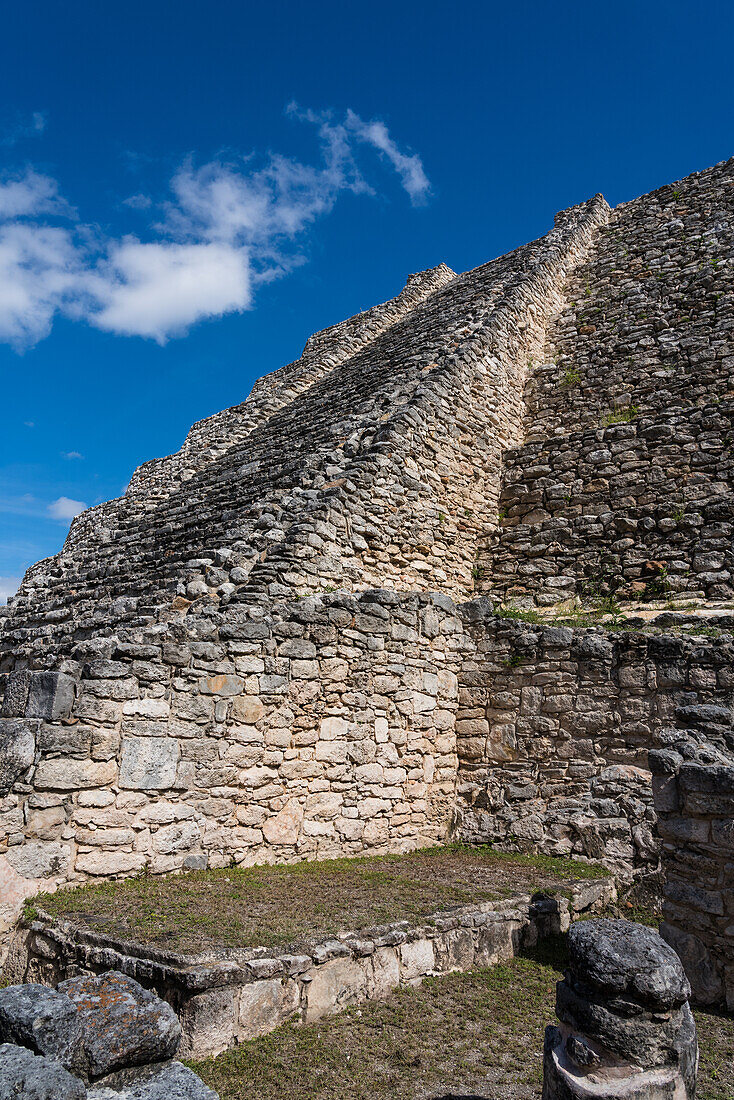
{"x":266,"y":1004}
{"x":109,"y":863}
{"x":149,"y":763}
{"x":14,"y":889}
{"x":176,"y":838}
{"x":339,"y":982}
{"x":209,"y":1023}
{"x":417,"y":959}
{"x":67,"y":774}
{"x":333,"y":729}
{"x":285,"y":827}
{"x":147,"y":708}
{"x":248,"y":709}
{"x":385,"y":971}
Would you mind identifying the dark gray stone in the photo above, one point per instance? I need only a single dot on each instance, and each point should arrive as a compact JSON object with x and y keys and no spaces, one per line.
{"x":618,"y":957}
{"x":172,"y":1081}
{"x":42,"y":1020}
{"x":17,"y":751}
{"x":626,"y":1031}
{"x":33,"y":1077}
{"x":17,"y":686}
{"x":50,"y":695}
{"x":123,"y":1024}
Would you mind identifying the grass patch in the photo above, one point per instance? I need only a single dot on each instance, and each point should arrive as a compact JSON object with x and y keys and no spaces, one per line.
{"x":479,"y":1032}
{"x":517,"y":613}
{"x":620,"y":416}
{"x":270,"y":905}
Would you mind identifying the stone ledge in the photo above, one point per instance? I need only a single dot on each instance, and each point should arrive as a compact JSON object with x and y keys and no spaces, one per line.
{"x":224,"y":997}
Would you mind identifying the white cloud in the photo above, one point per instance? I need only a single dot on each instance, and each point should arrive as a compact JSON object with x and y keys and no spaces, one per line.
{"x":71,"y":454}
{"x":408,"y":166}
{"x":228,"y":226}
{"x":30,"y":193}
{"x":39,"y":271}
{"x":65,"y":509}
{"x":159,"y":289}
{"x":8,"y":588}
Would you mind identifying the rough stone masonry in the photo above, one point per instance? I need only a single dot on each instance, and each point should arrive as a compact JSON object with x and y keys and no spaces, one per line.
{"x":284,"y":641}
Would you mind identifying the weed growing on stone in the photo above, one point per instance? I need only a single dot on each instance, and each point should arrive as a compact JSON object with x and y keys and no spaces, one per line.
{"x":621,"y":416}
{"x":518,"y":613}
{"x":570,"y":377}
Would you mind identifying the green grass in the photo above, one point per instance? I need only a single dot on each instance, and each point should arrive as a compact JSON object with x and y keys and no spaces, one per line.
{"x":479,"y":1032}
{"x":530,"y":616}
{"x":276,"y":905}
{"x":621,"y":416}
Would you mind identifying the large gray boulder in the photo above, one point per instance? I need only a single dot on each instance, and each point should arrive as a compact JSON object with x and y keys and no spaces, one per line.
{"x":42,"y":1020}
{"x":122,"y":1023}
{"x":626,"y":1031}
{"x":172,"y":1081}
{"x":33,"y":1077}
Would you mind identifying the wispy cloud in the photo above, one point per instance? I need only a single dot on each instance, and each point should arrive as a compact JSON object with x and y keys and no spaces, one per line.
{"x":71,"y":454}
{"x":20,"y":127}
{"x":30,"y":193}
{"x":65,"y":509}
{"x":228,"y":226}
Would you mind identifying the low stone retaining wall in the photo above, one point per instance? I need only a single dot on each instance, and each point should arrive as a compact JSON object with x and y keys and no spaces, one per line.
{"x":224,"y":997}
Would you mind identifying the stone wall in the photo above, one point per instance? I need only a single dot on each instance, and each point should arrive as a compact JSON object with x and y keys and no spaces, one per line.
{"x":324,"y":727}
{"x":627,"y":451}
{"x":635,"y":509}
{"x":255,"y":654}
{"x":554,"y":727}
{"x":693,"y":783}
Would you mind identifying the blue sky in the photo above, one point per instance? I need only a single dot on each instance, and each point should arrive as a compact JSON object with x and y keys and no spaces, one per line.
{"x":189,"y":189}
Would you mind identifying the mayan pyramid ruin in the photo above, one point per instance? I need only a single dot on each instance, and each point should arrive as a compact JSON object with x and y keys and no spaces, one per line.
{"x":464,"y":569}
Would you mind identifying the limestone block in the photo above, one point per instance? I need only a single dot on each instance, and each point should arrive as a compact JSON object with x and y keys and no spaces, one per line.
{"x":14,"y":889}
{"x":333,"y":729}
{"x":68,"y":774}
{"x":209,"y":1022}
{"x":454,"y":950}
{"x":39,"y":859}
{"x":109,"y":863}
{"x":176,"y":837}
{"x":337,"y":983}
{"x":385,"y":971}
{"x":417,"y":959}
{"x":147,"y":708}
{"x":285,"y":827}
{"x":149,"y":763}
{"x":266,"y":1004}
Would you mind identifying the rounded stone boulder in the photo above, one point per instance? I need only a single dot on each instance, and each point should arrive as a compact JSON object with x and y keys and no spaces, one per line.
{"x":122,"y":1023}
{"x":43,"y":1020}
{"x":622,"y":959}
{"x":34,"y":1077}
